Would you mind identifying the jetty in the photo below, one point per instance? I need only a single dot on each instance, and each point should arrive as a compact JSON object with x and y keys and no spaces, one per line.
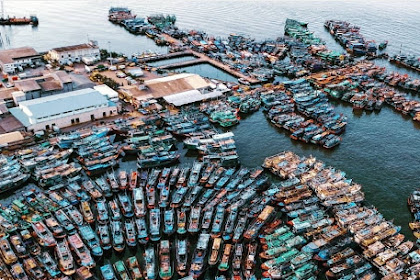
{"x":200,"y":58}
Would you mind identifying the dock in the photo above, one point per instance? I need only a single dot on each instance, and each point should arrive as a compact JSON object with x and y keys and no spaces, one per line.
{"x":200,"y":58}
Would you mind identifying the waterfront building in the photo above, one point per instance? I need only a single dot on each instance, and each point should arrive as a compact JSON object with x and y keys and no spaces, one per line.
{"x":14,"y":60}
{"x":179,"y":89}
{"x":87,"y":53}
{"x":63,"y":110}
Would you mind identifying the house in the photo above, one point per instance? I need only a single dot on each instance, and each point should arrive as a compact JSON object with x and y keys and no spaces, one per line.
{"x":13,"y":60}
{"x":75,"y":53}
{"x":63,"y":110}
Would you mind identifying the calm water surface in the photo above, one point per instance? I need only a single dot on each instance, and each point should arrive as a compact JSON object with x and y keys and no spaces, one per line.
{"x":379,"y":150}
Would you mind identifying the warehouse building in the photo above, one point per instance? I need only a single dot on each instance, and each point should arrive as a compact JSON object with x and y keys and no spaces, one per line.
{"x":63,"y":110}
{"x":87,"y":53}
{"x":14,"y":60}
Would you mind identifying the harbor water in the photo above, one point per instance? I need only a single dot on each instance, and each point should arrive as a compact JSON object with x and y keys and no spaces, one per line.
{"x":379,"y":150}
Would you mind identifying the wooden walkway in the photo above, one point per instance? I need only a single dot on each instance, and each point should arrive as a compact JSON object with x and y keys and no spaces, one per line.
{"x":202,"y":58}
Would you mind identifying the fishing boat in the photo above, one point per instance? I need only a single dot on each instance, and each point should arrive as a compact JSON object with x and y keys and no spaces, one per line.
{"x":157,"y":159}
{"x":165,"y":270}
{"x":81,"y":252}
{"x":240,"y":228}
{"x":169,"y":221}
{"x":18,"y":273}
{"x":126,"y":205}
{"x":205,"y":197}
{"x":230,"y":224}
{"x":259,"y":222}
{"x":104,"y":186}
{"x":29,"y":243}
{"x":75,"y":215}
{"x":7,"y":253}
{"x":182,"y":178}
{"x":237,"y":258}
{"x":207,"y":173}
{"x":84,"y":273}
{"x":181,"y":256}
{"x":87,"y":212}
{"x":91,"y":239}
{"x":207,"y":219}
{"x":195,"y":174}
{"x":154,"y":224}
{"x":134,"y":268}
{"x":117,"y":236}
{"x":194,"y":221}
{"x":115,"y":210}
{"x":181,"y":221}
{"x":139,"y":202}
{"x":143,"y":178}
{"x":104,"y":236}
{"x":65,"y":258}
{"x":164,"y":196}
{"x":215,"y":251}
{"x":150,"y":191}
{"x":192,"y":196}
{"x":141,"y":227}
{"x":133,"y":180}
{"x":224,"y":263}
{"x":130,"y":232}
{"x":18,"y":246}
{"x":43,"y":235}
{"x":150,"y":263}
{"x":33,"y":270}
{"x":250,"y":260}
{"x":115,"y":187}
{"x":121,"y":270}
{"x":178,"y":195}
{"x":216,"y":229}
{"x":102,"y":212}
{"x":123,"y":179}
{"x":199,"y":256}
{"x":107,"y":273}
{"x":48,"y":264}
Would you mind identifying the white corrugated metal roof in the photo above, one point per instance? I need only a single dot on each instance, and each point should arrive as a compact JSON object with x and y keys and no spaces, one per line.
{"x":63,"y":102}
{"x":190,"y":96}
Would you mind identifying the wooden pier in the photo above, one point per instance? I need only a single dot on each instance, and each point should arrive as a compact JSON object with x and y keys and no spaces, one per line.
{"x":200,"y":58}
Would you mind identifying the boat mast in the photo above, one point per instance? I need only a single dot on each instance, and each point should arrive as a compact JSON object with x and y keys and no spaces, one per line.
{"x":2,"y":9}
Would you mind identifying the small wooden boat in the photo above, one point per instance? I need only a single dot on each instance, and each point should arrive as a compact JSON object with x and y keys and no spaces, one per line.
{"x":117,"y":236}
{"x":115,"y":210}
{"x":237,"y":258}
{"x":65,"y":258}
{"x":33,"y":270}
{"x":86,"y":212}
{"x":165,"y":270}
{"x":56,"y":229}
{"x":107,"y":273}
{"x":17,"y":272}
{"x":81,"y":252}
{"x":240,"y":228}
{"x":181,"y":221}
{"x":141,"y":227}
{"x":150,"y":263}
{"x":215,"y":251}
{"x":18,"y":246}
{"x":29,"y":242}
{"x":154,"y":224}
{"x":91,"y":239}
{"x":104,"y":236}
{"x":130,"y":232}
{"x":199,"y":256}
{"x":43,"y":235}
{"x":133,"y":180}
{"x":126,"y":205}
{"x":134,"y":268}
{"x":75,"y":215}
{"x":49,"y":264}
{"x":121,"y":270}
{"x":123,"y":179}
{"x":9,"y":257}
{"x":194,"y":222}
{"x":181,"y":256}
{"x":207,"y":219}
{"x":224,"y":263}
{"x":169,"y":221}
{"x":139,"y":202}
{"x":230,"y":224}
{"x":102,"y":212}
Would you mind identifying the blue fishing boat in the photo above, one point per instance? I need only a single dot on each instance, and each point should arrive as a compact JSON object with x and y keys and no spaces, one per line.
{"x":169,"y":221}
{"x":91,"y":239}
{"x":142,"y":234}
{"x":154,"y":224}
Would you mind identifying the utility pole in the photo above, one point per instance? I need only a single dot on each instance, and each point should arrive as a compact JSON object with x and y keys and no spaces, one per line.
{"x":2,"y":9}
{"x":109,"y":50}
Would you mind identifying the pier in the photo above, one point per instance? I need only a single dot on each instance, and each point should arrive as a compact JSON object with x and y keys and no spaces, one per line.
{"x":200,"y":58}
